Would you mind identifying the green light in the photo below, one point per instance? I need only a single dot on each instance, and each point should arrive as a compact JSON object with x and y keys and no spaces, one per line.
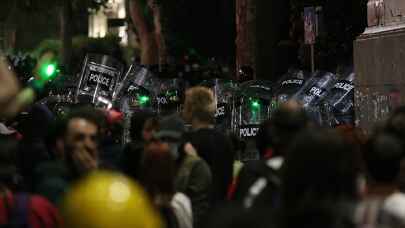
{"x":143,"y":99}
{"x":255,"y":104}
{"x":50,"y":70}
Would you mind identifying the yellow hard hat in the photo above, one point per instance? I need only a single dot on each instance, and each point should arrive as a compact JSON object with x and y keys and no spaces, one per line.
{"x":108,"y":200}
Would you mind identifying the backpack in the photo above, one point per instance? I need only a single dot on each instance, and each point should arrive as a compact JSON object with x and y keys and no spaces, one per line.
{"x":262,"y":185}
{"x":18,"y":213}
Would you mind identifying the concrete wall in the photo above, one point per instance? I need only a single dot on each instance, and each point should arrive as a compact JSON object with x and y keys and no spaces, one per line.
{"x":380,"y":75}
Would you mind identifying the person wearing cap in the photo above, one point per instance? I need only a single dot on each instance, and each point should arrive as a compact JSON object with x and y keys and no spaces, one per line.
{"x":21,"y":209}
{"x":193,"y":176}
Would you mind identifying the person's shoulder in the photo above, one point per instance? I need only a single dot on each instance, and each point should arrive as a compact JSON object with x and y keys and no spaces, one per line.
{"x":181,"y":199}
{"x":39,"y":203}
{"x":43,"y":208}
{"x":197,"y":164}
{"x":395,"y":205}
{"x":193,"y":160}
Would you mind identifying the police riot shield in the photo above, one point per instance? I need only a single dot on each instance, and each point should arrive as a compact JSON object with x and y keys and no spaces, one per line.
{"x":316,"y":89}
{"x":137,"y":90}
{"x":133,"y":72}
{"x":342,"y":95}
{"x":313,"y":94}
{"x":224,"y":91}
{"x":252,"y":107}
{"x":99,"y":77}
{"x":169,"y":95}
{"x":135,"y":93}
{"x":289,"y":84}
{"x":135,"y":99}
{"x":341,"y":100}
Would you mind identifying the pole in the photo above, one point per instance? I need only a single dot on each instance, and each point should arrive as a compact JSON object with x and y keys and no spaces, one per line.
{"x":312,"y":58}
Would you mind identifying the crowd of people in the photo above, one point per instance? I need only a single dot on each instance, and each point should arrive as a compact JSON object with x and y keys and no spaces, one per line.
{"x":72,"y":170}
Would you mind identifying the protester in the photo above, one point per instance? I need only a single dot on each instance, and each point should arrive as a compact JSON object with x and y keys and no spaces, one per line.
{"x":21,"y":209}
{"x":158,"y":175}
{"x":306,"y":175}
{"x":81,"y":131}
{"x":320,"y":170}
{"x":143,"y":124}
{"x":111,"y":140}
{"x":32,"y":148}
{"x":13,"y":99}
{"x":193,"y":176}
{"x":395,"y":125}
{"x":211,"y":145}
{"x":384,"y":203}
{"x":259,"y":182}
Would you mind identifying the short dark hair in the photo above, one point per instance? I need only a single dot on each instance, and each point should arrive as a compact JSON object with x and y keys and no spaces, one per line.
{"x":158,"y":169}
{"x":286,"y":123}
{"x":382,"y":157}
{"x":138,"y":121}
{"x":321,"y":166}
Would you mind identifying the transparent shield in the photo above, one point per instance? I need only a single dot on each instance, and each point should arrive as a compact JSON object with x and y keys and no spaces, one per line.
{"x":98,"y":80}
{"x":252,"y":107}
{"x":290,"y":83}
{"x":224,"y":91}
{"x":316,"y":89}
{"x":341,"y":96}
{"x":169,"y":95}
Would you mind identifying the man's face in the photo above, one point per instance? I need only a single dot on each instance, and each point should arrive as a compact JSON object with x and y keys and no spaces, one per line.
{"x":82,"y":134}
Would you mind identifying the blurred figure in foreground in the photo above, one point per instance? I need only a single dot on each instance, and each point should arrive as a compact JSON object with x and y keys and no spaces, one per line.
{"x":108,"y":200}
{"x":21,"y":209}
{"x":384,"y":204}
{"x":320,"y":170}
{"x":258,"y":183}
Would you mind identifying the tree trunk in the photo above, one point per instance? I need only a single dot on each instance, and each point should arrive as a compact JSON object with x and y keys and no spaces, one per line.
{"x":66,"y":34}
{"x":246,"y":34}
{"x":157,"y":22}
{"x":147,"y":37}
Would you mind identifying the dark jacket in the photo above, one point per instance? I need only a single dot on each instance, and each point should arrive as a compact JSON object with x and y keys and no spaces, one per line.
{"x":194,"y":179}
{"x":131,"y":159}
{"x":216,"y":149}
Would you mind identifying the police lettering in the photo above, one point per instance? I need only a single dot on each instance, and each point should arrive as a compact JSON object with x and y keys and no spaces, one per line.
{"x":131,"y":88}
{"x":316,"y":91}
{"x":103,"y":69}
{"x":292,"y":81}
{"x":98,"y":78}
{"x":162,"y":100}
{"x":248,"y":132}
{"x":220,"y":111}
{"x":345,"y":86}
